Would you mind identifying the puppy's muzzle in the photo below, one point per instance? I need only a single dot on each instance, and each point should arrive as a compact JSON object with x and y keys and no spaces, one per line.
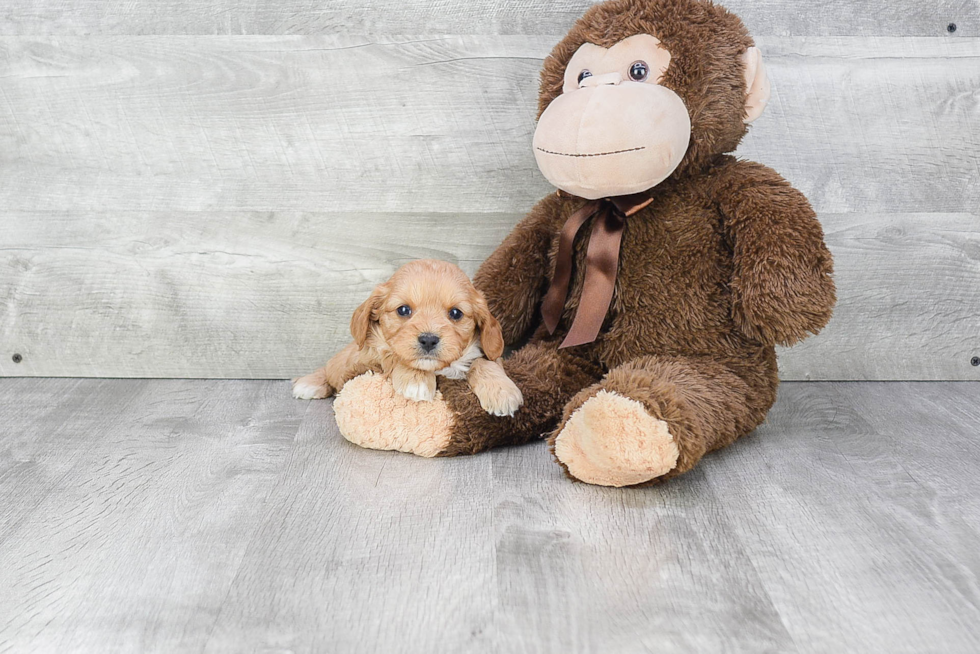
{"x":428,"y":342}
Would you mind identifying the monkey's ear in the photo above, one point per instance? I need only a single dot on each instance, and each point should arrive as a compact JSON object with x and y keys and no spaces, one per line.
{"x":756,"y":84}
{"x":364,"y":315}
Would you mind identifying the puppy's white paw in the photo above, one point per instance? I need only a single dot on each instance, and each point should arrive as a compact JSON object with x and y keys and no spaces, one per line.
{"x":501,"y":399}
{"x":304,"y":389}
{"x":419,"y":391}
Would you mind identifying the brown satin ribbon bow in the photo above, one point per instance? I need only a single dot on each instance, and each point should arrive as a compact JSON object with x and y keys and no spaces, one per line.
{"x":601,"y":265}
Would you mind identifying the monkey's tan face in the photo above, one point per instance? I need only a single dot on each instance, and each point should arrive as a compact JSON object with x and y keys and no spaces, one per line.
{"x":615,"y":129}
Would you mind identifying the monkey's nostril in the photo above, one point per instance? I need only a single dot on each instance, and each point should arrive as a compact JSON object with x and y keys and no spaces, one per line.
{"x":428,"y":341}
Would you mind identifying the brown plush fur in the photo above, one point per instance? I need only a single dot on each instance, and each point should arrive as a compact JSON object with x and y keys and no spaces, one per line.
{"x":727,"y":261}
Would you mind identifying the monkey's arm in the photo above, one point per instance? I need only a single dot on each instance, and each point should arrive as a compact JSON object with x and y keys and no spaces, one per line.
{"x":514,"y":278}
{"x":782,"y":284}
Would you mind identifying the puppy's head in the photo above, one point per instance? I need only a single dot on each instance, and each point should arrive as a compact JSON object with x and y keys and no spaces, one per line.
{"x":428,"y":315}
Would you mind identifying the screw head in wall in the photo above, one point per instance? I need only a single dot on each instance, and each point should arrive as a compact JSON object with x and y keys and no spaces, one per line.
{"x":17,"y":358}
{"x":951,"y":28}
{"x":975,"y":361}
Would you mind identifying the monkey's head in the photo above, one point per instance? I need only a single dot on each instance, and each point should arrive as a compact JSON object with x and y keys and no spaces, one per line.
{"x":640,"y":90}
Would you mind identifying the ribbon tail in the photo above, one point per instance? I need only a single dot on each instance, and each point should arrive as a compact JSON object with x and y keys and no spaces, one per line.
{"x":554,"y":300}
{"x":602,"y":264}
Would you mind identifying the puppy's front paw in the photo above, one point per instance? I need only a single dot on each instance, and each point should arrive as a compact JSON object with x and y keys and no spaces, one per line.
{"x":311,"y":387}
{"x":501,"y":400}
{"x":420,"y":388}
{"x":498,"y":394}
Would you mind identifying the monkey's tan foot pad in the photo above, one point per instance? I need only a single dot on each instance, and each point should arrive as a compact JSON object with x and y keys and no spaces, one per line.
{"x":371,"y":414}
{"x":611,"y":440}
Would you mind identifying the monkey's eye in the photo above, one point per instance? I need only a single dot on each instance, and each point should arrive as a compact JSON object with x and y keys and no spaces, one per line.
{"x":455,"y":314}
{"x":404,"y":311}
{"x":639,"y":71}
{"x":585,"y":73}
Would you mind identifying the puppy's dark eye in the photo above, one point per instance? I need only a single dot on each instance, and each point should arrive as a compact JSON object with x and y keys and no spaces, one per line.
{"x":639,"y":71}
{"x":404,"y":311}
{"x":585,"y":73}
{"x":455,"y":313}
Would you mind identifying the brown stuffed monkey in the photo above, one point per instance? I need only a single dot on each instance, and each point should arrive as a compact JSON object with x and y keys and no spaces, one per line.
{"x":651,"y":289}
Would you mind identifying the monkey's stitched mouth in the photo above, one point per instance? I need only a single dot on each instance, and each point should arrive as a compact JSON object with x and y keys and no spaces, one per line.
{"x":594,"y":154}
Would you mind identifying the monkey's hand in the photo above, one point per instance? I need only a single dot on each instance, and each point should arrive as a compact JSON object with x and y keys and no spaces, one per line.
{"x":782,"y":284}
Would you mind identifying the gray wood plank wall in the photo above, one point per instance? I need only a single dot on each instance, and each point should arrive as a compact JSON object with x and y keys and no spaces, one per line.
{"x":178,"y":199}
{"x":763,"y":17}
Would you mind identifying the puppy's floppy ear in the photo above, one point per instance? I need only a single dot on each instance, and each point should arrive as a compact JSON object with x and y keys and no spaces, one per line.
{"x":364,"y":315}
{"x":491,"y":336}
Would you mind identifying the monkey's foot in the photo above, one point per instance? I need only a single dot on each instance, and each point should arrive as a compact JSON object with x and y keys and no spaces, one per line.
{"x":611,"y":440}
{"x":371,"y":414}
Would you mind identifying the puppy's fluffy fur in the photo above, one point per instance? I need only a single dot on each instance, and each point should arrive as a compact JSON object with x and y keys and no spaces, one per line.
{"x":394,"y":330}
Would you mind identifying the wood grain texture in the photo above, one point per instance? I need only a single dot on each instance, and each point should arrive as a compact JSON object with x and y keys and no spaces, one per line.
{"x":144,"y":499}
{"x":439,"y":124}
{"x":649,"y":584}
{"x":861,"y":491}
{"x":270,"y":295}
{"x":763,"y":17}
{"x":395,"y":556}
{"x":206,"y":294}
{"x":189,"y":516}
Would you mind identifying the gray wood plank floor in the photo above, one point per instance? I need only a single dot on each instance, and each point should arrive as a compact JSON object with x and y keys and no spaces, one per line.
{"x":223,"y":516}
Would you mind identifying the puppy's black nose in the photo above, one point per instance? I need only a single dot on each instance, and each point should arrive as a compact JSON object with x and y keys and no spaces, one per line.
{"x":428,"y":341}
